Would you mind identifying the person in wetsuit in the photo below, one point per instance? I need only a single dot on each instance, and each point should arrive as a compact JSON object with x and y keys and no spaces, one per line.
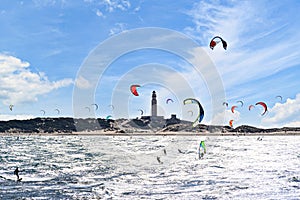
{"x":16,"y":172}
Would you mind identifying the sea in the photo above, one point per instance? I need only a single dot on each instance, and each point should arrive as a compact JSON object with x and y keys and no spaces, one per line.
{"x":149,"y":167}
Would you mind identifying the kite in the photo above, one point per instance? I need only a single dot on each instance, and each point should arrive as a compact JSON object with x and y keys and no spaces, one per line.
{"x":263,"y":105}
{"x":201,"y":111}
{"x":96,"y":106}
{"x":142,"y":112}
{"x":133,"y":89}
{"x":232,"y":108}
{"x":168,"y":100}
{"x":225,"y":104}
{"x":250,"y":107}
{"x":88,"y":108}
{"x":280,"y":97}
{"x":112,"y":107}
{"x":231,"y":123}
{"x":43,"y":111}
{"x":215,"y":41}
{"x":108,"y":117}
{"x":11,"y":107}
{"x":58,"y":111}
{"x":242,"y":103}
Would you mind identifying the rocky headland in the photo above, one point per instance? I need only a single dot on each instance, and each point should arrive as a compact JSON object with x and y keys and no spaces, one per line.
{"x":123,"y":126}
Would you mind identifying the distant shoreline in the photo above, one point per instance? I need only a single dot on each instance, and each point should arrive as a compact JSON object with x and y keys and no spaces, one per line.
{"x":131,"y":127}
{"x":101,"y":133}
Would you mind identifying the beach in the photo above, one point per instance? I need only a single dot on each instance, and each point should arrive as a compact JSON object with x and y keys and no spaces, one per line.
{"x":104,"y":167}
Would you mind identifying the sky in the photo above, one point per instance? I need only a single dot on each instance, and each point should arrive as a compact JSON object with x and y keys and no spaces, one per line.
{"x":46,"y":45}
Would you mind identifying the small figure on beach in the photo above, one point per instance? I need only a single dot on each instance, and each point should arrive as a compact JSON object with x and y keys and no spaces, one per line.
{"x":16,"y":172}
{"x":158,"y":160}
{"x":165,"y":152}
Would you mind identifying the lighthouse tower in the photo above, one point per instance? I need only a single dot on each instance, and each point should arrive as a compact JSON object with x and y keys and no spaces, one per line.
{"x":153,"y":105}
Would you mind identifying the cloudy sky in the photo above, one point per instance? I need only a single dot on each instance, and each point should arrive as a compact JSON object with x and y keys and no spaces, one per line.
{"x":45,"y":43}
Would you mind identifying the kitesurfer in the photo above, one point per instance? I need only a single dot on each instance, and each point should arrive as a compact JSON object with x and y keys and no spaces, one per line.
{"x":165,"y":152}
{"x":201,"y":155}
{"x":201,"y":152}
{"x":158,"y":160}
{"x":16,"y":172}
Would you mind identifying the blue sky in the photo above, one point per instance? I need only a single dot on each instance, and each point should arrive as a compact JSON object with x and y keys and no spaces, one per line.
{"x":44,"y":44}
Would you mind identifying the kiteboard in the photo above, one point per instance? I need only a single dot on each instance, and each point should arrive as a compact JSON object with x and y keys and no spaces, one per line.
{"x":9,"y":179}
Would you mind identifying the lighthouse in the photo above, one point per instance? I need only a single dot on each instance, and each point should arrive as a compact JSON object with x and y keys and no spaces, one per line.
{"x":153,"y":105}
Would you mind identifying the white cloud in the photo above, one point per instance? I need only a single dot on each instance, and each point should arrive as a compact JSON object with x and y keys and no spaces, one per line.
{"x":111,"y":5}
{"x":137,"y":9}
{"x":53,"y":52}
{"x":9,"y":64}
{"x":99,"y":13}
{"x":293,"y":124}
{"x":284,"y":114}
{"x":15,"y":117}
{"x":225,"y":117}
{"x":19,"y":84}
{"x":116,"y":4}
{"x":83,"y":83}
{"x":44,"y":3}
{"x":119,"y":27}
